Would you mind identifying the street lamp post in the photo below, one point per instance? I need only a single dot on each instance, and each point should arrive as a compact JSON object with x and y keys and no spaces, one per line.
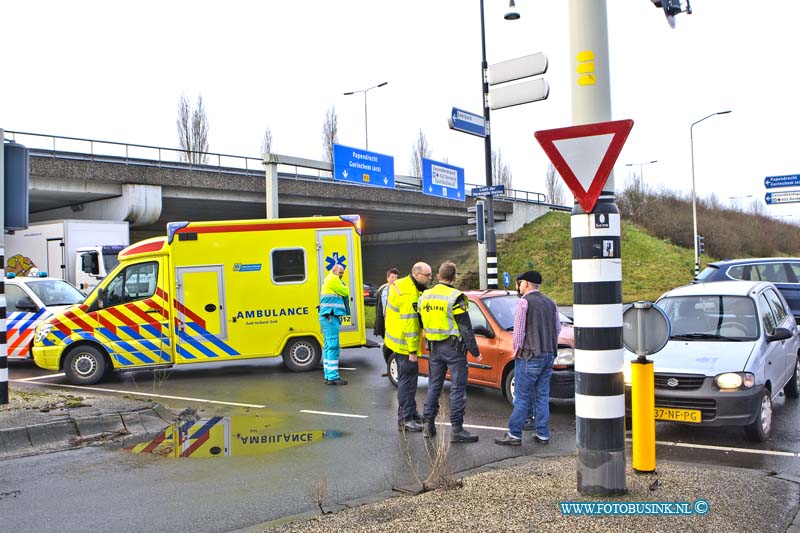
{"x":491,"y":236}
{"x":366,"y":134}
{"x":736,"y":201}
{"x":641,"y":167}
{"x":694,"y":194}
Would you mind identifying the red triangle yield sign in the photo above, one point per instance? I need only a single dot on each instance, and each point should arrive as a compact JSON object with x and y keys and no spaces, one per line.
{"x":585,"y":155}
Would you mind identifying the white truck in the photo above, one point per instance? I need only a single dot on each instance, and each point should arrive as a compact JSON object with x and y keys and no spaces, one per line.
{"x":82,"y":252}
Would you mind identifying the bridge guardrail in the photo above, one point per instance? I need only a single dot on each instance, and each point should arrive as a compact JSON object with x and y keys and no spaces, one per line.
{"x":54,"y":146}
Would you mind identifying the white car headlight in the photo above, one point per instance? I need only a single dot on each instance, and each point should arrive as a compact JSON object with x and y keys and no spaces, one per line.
{"x":42,"y":332}
{"x":734,"y":380}
{"x":565,"y":356}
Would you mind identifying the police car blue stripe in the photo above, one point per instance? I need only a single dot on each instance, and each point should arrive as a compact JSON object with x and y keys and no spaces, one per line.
{"x":39,"y":315}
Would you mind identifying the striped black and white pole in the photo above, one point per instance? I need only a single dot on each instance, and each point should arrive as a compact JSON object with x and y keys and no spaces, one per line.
{"x":491,"y":270}
{"x":3,"y":347}
{"x":599,"y":382}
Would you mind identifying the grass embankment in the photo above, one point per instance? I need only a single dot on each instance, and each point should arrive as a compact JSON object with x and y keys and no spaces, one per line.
{"x":650,"y":266}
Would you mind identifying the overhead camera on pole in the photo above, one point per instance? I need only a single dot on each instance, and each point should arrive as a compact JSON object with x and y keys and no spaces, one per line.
{"x":672,"y":8}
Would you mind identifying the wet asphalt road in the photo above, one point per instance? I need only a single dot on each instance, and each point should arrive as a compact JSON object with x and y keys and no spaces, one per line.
{"x":67,"y":491}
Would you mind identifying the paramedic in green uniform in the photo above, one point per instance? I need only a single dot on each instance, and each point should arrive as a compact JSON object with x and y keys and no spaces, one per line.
{"x":334,"y":303}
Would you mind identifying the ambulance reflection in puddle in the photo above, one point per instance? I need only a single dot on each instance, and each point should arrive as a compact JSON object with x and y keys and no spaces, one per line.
{"x":227,"y":436}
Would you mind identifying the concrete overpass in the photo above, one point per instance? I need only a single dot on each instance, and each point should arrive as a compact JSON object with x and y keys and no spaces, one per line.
{"x":150,"y":186}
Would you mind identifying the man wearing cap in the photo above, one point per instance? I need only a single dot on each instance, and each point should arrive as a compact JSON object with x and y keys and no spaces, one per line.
{"x":536,"y":329}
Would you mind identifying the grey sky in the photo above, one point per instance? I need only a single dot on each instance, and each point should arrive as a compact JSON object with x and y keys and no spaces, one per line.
{"x":116,"y":70}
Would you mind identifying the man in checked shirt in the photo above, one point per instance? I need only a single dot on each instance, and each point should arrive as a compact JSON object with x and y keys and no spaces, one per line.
{"x":536,"y":329}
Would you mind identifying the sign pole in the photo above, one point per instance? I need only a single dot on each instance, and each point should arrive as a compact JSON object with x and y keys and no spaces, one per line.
{"x":3,"y":347}
{"x":596,"y":276}
{"x":491,"y":237}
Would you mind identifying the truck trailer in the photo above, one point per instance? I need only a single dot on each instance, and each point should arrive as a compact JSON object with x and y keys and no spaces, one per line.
{"x":81,"y":252}
{"x":211,"y":292}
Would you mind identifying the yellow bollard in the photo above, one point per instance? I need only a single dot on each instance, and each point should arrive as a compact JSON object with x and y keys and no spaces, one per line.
{"x":643,"y":407}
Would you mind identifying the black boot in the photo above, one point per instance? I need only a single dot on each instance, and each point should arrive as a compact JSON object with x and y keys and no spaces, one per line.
{"x":428,"y":428}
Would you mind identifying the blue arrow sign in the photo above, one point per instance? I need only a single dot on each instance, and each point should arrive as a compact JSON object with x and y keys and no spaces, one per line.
{"x":467,"y":122}
{"x":362,"y":167}
{"x":782,"y":197}
{"x":443,"y":180}
{"x":506,"y":279}
{"x":771,"y":182}
{"x":488,"y":190}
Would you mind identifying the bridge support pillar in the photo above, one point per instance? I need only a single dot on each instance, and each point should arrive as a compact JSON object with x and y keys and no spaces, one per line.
{"x":271,"y":185}
{"x":138,"y":204}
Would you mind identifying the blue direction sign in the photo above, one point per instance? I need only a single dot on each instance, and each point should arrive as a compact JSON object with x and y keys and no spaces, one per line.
{"x":782,"y":197}
{"x":467,"y":122}
{"x":506,"y":279}
{"x":771,"y":182}
{"x":488,"y":190}
{"x":362,"y":167}
{"x":443,"y":180}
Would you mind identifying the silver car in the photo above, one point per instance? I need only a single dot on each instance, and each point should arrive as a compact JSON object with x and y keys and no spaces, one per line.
{"x":734,"y":346}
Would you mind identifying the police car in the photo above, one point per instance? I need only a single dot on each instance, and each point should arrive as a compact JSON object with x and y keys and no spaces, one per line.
{"x":29,"y":301}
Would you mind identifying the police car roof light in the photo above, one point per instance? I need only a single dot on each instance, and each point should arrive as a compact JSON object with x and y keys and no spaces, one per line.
{"x":10,"y":275}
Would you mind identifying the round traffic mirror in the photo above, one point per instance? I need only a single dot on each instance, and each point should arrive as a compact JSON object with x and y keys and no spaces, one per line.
{"x":645,"y":328}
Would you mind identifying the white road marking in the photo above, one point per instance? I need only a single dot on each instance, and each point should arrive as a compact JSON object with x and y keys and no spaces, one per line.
{"x":346,"y":368}
{"x":725,"y":448}
{"x":134,"y":393}
{"x":332,"y":414}
{"x":42,"y":377}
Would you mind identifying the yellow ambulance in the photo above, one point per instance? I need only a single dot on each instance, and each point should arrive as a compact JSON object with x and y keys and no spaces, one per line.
{"x":210,"y":291}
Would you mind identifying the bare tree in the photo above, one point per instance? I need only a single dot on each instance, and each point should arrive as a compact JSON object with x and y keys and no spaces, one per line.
{"x":421,"y":150}
{"x":501,"y":172}
{"x":330,"y":134}
{"x":192,"y":130}
{"x":266,"y":143}
{"x":552,"y":185}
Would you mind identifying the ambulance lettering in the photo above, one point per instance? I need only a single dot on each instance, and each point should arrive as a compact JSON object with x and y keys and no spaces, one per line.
{"x":271,"y":313}
{"x":276,"y":439}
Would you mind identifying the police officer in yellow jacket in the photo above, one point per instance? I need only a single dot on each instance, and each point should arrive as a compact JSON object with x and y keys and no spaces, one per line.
{"x":402,"y":336}
{"x":448,"y":330}
{"x":334,"y":302}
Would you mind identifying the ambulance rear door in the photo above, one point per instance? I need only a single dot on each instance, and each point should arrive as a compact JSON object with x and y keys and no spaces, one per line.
{"x":335,"y":246}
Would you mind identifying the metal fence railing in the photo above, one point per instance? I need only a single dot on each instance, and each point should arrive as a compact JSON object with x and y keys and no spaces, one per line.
{"x":61,"y":147}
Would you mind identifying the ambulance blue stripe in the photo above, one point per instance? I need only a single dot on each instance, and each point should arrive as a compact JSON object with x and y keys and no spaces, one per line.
{"x":185,"y":354}
{"x":121,"y":360}
{"x":154,"y":331}
{"x":196,"y":345}
{"x":213,"y":339}
{"x":206,"y":427}
{"x":126,"y":346}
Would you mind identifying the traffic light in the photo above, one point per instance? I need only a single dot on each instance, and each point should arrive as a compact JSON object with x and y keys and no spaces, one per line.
{"x":701,"y":247}
{"x":480,"y":223}
{"x":672,"y":8}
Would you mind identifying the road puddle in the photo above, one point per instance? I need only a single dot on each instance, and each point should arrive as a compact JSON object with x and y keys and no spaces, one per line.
{"x":227,"y":436}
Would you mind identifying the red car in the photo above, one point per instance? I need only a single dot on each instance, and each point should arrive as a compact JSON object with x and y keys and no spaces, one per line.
{"x":492,"y":315}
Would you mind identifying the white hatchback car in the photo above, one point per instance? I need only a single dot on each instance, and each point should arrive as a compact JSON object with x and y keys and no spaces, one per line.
{"x":733,"y":347}
{"x":29,"y":301}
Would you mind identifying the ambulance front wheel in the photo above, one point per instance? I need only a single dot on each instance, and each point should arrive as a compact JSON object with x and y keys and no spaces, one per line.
{"x":302,"y":354}
{"x":85,"y":365}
